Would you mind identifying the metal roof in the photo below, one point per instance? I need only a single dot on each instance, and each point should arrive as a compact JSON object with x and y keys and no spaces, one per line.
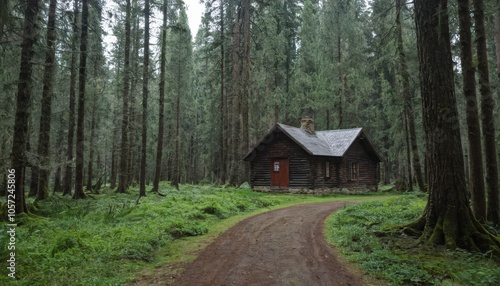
{"x":331,"y":143}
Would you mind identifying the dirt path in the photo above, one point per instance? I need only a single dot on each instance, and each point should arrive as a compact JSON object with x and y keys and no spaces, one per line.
{"x":282,"y":247}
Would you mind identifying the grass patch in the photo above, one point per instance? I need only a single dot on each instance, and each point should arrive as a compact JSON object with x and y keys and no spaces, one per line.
{"x":364,"y":234}
{"x":108,"y":239}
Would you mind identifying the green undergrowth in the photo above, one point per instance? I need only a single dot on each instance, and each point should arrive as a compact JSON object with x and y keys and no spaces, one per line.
{"x":366,"y":235}
{"x":107,"y":239}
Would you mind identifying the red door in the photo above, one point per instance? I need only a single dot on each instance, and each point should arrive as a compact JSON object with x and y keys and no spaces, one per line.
{"x":279,"y":173}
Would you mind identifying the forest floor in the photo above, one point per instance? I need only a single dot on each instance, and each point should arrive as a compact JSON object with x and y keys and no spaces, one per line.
{"x":281,"y":247}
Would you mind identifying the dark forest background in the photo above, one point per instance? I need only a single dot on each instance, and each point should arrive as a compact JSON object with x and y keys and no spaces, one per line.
{"x":186,"y":108}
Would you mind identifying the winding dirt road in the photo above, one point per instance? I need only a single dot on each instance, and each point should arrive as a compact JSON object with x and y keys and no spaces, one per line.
{"x":281,"y":247}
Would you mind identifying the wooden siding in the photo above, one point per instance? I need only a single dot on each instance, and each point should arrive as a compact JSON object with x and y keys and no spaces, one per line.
{"x":280,"y":147}
{"x":320,"y":180}
{"x":367,"y":167}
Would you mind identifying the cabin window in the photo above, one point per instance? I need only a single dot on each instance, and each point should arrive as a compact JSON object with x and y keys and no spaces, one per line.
{"x":354,"y":171}
{"x":327,"y":169}
{"x":276,"y":166}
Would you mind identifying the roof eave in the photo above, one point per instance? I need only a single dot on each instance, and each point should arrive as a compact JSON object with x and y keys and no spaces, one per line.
{"x":295,"y":140}
{"x":350,"y":144}
{"x":247,"y":155}
{"x":283,"y":130}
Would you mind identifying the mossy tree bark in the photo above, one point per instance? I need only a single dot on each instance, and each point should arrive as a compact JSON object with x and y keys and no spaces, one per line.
{"x":447,"y":220}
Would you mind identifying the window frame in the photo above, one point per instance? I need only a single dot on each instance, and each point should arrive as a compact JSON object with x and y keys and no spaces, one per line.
{"x":276,"y":166}
{"x":354,"y":171}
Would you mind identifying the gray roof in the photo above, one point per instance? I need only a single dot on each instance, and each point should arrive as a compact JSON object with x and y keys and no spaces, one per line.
{"x":331,"y":143}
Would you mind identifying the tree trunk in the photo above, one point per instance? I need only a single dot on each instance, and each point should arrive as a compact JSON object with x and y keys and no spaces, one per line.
{"x":34,"y":179}
{"x":387,"y":171}
{"x":408,"y":154}
{"x":57,"y":181}
{"x":133,"y":169}
{"x":235,"y":99}
{"x":487,"y":116}
{"x":245,"y":94}
{"x":90,"y":170}
{"x":408,"y":106}
{"x":4,"y":15}
{"x":112,"y":179}
{"x":496,"y":35}
{"x":23,"y":101}
{"x":46,"y":109}
{"x":223,"y":108}
{"x":478,"y":199}
{"x":161,"y":120}
{"x":145,"y":90}
{"x":327,"y":119}
{"x":447,"y":220}
{"x":177,"y":137}
{"x":124,"y":150}
{"x":80,"y":139}
{"x":339,"y":62}
{"x":68,"y":174}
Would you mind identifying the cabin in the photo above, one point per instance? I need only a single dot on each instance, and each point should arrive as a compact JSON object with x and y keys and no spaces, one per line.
{"x":302,"y":160}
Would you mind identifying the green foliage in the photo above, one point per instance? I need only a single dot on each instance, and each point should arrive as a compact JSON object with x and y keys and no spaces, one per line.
{"x":365,"y":234}
{"x":105,"y":240}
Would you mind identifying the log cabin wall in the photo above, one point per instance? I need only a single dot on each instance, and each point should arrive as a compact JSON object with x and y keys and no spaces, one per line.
{"x":281,"y":147}
{"x":307,"y":172}
{"x":367,"y":171}
{"x":324,"y":179}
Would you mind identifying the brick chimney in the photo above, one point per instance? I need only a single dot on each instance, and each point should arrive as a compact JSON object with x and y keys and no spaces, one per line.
{"x":307,"y":124}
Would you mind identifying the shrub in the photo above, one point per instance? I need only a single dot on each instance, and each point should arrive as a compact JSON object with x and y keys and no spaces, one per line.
{"x":183,"y":229}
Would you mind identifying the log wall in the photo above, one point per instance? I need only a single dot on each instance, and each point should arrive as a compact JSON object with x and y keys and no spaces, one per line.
{"x":280,"y":147}
{"x":367,"y":167}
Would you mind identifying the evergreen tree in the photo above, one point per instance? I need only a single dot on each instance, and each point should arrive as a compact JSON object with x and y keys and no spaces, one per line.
{"x":145,"y":91}
{"x":24,"y":93}
{"x":447,"y":220}
{"x":478,"y":199}
{"x":305,"y":80}
{"x":68,"y":176}
{"x":179,"y":66}
{"x":161,"y":104}
{"x":408,"y":105}
{"x":488,"y":121}
{"x":82,"y":78}
{"x":124,"y":150}
{"x":46,"y":109}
